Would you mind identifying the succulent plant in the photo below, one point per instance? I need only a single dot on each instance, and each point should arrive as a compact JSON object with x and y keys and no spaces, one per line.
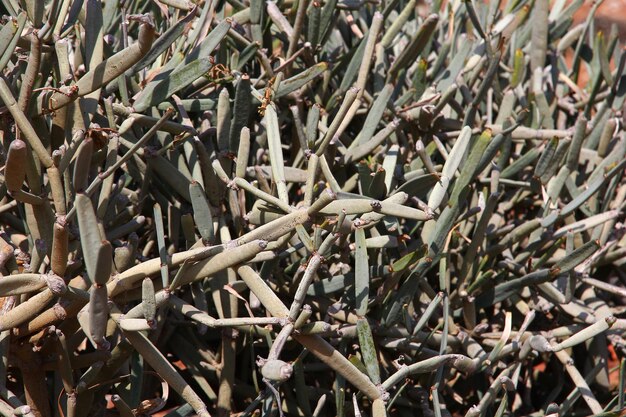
{"x":310,"y":208}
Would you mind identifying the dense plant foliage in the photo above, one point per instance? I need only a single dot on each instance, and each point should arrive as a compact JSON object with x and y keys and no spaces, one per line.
{"x":317,"y":208}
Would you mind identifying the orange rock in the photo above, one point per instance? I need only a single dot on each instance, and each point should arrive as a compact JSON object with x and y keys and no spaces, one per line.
{"x":610,"y":12}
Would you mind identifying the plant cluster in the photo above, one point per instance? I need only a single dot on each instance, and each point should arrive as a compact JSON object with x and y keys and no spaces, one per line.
{"x":315,"y":208}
